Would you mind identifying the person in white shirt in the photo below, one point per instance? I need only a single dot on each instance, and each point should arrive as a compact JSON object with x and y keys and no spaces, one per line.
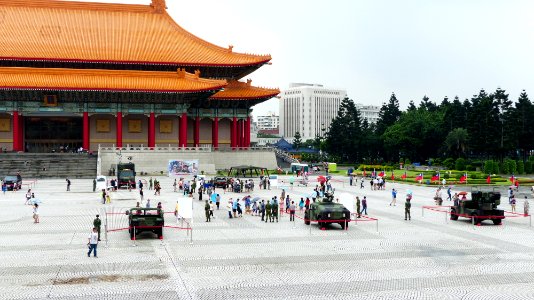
{"x":36,"y":213}
{"x":93,"y":242}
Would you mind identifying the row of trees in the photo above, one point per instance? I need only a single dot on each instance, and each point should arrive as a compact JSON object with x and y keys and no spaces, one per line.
{"x":487,"y":126}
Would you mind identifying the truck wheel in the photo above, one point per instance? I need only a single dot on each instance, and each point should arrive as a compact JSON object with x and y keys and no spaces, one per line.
{"x":477,"y":220}
{"x":497,"y":221}
{"x":343,"y":225}
{"x":306,"y":218}
{"x":132,"y":234}
{"x":454,"y":216}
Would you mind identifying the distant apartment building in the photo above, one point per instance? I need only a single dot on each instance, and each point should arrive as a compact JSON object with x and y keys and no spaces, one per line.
{"x":369,"y":112}
{"x":268,"y":122}
{"x":308,"y":108}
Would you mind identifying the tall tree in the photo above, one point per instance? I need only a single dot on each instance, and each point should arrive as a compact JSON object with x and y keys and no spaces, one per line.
{"x":297,"y":141}
{"x":388,"y":115}
{"x":344,"y":134}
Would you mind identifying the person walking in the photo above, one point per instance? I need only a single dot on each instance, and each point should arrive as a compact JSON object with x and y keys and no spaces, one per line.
{"x":275,"y":211}
{"x":150,"y":184}
{"x":174,"y":185}
{"x":147,"y":203}
{"x":394,"y":198}
{"x":212,"y":208}
{"x":512,"y":203}
{"x":28,"y":197}
{"x":301,"y":204}
{"x":97,"y":224}
{"x":207,"y":211}
{"x":141,"y":194}
{"x":229,"y":208}
{"x":449,"y":193}
{"x":94,"y":185}
{"x":36,"y":213}
{"x":92,"y":242}
{"x":234,"y":208}
{"x":218,"y":201}
{"x":4,"y":188}
{"x":262,"y":210}
{"x":292,"y":209}
{"x":364,"y":205}
{"x":407,"y":207}
{"x":68,"y":184}
{"x":358,"y":207}
{"x":103,"y":196}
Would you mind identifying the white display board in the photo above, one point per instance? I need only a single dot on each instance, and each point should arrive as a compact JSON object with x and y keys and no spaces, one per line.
{"x":185,"y":208}
{"x":348,"y":201}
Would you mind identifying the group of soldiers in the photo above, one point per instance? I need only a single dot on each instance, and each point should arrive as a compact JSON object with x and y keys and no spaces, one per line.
{"x":269,"y":210}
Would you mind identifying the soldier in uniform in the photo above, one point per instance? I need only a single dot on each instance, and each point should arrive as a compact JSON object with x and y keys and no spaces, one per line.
{"x":407,"y":206}
{"x":268,"y":208}
{"x":97,"y":223}
{"x":207,"y":210}
{"x":358,"y":207}
{"x":275,"y":211}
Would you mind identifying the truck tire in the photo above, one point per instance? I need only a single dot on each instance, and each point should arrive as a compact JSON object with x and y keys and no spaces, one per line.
{"x":306,"y":218}
{"x":497,"y":221}
{"x":477,"y":220}
{"x":132,"y":234}
{"x":343,"y":225}
{"x":454,"y":216}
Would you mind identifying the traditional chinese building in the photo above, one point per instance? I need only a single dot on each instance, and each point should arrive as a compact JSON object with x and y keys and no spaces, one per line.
{"x":83,"y":74}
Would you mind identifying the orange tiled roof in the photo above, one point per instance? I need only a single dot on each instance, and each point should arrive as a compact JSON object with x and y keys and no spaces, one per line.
{"x":105,"y":80}
{"x":70,"y":31}
{"x":236,"y":90}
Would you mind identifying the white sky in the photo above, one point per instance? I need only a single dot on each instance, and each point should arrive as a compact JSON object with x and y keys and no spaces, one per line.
{"x":372,"y":48}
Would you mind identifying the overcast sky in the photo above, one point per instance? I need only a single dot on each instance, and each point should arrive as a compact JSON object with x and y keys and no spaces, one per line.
{"x":372,"y":48}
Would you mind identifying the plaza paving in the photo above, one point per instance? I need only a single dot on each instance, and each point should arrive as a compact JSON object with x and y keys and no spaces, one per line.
{"x":427,"y":258}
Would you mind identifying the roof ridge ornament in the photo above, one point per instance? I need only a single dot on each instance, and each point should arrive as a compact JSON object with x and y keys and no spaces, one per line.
{"x":159,"y":6}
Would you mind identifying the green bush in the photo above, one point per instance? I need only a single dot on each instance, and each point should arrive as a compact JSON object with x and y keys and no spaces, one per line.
{"x":488,"y":166}
{"x":407,"y":162}
{"x":446,"y":176}
{"x":504,"y":168}
{"x":512,"y":166}
{"x":449,"y":163}
{"x":496,"y":168}
{"x":473,"y":176}
{"x":528,"y":167}
{"x":460,"y":164}
{"x":520,"y":167}
{"x":470,"y":168}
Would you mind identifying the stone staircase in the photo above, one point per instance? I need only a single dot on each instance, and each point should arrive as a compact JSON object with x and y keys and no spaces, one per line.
{"x":48,"y":165}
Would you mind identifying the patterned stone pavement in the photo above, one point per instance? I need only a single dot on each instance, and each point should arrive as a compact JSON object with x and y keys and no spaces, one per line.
{"x":427,"y":258}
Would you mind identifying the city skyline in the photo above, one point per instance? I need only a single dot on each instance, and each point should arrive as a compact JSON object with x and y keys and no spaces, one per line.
{"x":372,"y":49}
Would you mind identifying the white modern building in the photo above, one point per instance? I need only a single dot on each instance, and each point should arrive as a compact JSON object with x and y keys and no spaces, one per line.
{"x":369,"y":112}
{"x":268,"y":122}
{"x":308,"y":108}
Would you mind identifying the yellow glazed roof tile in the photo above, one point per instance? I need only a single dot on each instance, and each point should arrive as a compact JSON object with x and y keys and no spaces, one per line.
{"x":236,"y":90}
{"x":50,"y":30}
{"x":105,"y":80}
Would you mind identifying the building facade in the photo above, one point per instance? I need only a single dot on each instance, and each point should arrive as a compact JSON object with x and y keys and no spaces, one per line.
{"x":268,"y":122}
{"x":370,"y":113}
{"x":80,"y":74}
{"x":308,"y":109}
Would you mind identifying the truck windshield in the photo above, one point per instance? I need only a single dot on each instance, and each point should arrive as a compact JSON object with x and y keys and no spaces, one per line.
{"x":126,"y":173}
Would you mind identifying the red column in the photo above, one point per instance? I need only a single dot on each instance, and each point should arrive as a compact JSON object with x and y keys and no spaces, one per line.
{"x":233,"y":133}
{"x":247,"y":133}
{"x":197,"y":132}
{"x":21,"y":134}
{"x":119,"y":129}
{"x":183,"y":130}
{"x":215,"y":133}
{"x":16,"y":129}
{"x":152,"y":130}
{"x":240,"y":133}
{"x":86,"y":128}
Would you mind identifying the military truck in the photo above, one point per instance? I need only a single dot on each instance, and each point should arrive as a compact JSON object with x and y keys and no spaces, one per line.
{"x":326,"y":210}
{"x":481,"y":204}
{"x":145,"y":219}
{"x":126,"y":175}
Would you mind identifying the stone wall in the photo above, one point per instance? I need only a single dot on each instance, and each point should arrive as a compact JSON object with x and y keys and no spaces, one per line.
{"x":153,"y":162}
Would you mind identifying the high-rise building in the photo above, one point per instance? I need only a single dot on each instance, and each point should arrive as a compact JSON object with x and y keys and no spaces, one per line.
{"x":369,"y":112}
{"x":268,"y":122}
{"x":307,"y":109}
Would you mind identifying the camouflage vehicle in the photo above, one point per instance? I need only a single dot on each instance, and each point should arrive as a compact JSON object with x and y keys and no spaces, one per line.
{"x":145,"y":219}
{"x":482,"y":204}
{"x":327,"y":210}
